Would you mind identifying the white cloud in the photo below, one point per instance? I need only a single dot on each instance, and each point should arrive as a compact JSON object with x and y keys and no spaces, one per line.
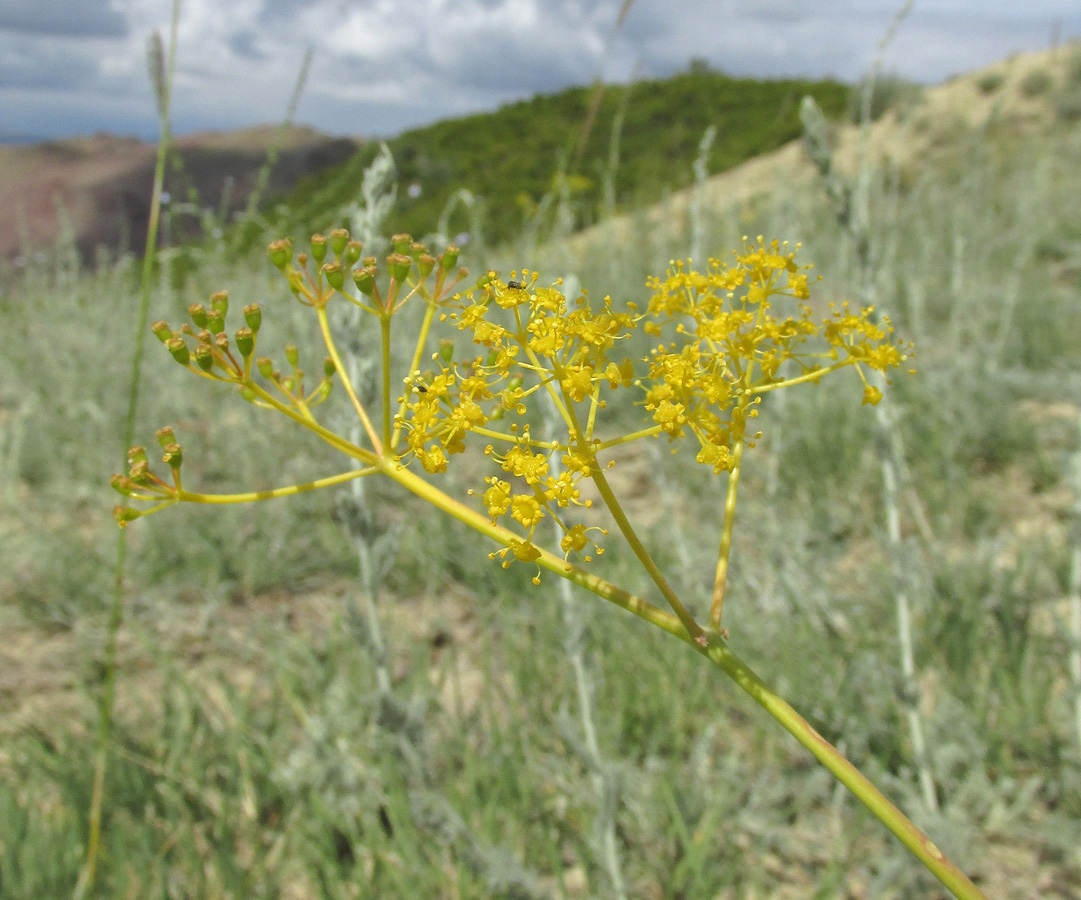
{"x":383,"y":65}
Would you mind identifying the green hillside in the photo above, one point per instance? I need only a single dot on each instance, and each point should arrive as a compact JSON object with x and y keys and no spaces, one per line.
{"x":509,"y":158}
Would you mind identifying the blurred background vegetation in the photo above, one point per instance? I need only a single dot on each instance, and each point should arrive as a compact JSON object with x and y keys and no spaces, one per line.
{"x":275,"y":739}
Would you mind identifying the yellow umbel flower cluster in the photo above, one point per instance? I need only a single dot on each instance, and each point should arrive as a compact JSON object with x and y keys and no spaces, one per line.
{"x":721,"y":348}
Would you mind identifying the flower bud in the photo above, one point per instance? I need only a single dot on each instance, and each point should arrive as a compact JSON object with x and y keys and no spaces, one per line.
{"x":448,"y":259}
{"x":204,"y":357}
{"x":219,"y":302}
{"x":319,"y":247}
{"x":296,"y":280}
{"x":401,"y":242}
{"x":198,"y":315}
{"x":173,"y":457}
{"x":446,"y":350}
{"x":328,"y":367}
{"x":253,"y":316}
{"x":165,"y":436}
{"x":162,"y":331}
{"x":215,"y":322}
{"x":486,"y":279}
{"x":280,"y":253}
{"x":352,"y":253}
{"x":364,"y":279}
{"x":334,"y":275}
{"x":425,"y":264}
{"x":246,"y":393}
{"x":398,"y":264}
{"x":265,"y":366}
{"x":339,"y":237}
{"x":245,"y":341}
{"x":292,"y":355}
{"x":179,"y":350}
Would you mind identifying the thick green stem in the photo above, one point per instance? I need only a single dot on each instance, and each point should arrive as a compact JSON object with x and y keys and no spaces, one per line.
{"x":889,"y":815}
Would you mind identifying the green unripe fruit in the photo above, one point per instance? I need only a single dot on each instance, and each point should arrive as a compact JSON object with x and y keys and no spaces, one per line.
{"x":352,"y":253}
{"x":122,"y":485}
{"x":219,"y":302}
{"x":339,"y":237}
{"x":162,"y":331}
{"x":280,"y":253}
{"x":319,"y":247}
{"x":173,"y":457}
{"x":449,"y":258}
{"x":265,"y":367}
{"x":204,"y":358}
{"x":165,"y":436}
{"x":364,"y":279}
{"x":245,"y":342}
{"x":253,"y":316}
{"x":398,"y":264}
{"x":334,"y":275}
{"x":179,"y":350}
{"x":125,"y":515}
{"x":198,"y":315}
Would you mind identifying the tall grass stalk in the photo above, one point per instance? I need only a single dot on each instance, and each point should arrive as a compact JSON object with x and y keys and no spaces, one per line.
{"x":852,"y":208}
{"x":605,"y":782}
{"x":1075,"y":590}
{"x":698,"y":198}
{"x":161,"y":75}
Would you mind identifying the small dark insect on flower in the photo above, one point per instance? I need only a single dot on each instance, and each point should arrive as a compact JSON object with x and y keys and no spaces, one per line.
{"x":421,"y":389}
{"x":515,"y":285}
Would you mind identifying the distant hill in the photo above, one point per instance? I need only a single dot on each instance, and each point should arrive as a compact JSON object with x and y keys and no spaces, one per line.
{"x":508,"y":159}
{"x":99,"y":186}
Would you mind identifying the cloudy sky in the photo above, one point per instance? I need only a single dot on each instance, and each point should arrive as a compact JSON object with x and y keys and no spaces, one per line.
{"x":380,"y":66}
